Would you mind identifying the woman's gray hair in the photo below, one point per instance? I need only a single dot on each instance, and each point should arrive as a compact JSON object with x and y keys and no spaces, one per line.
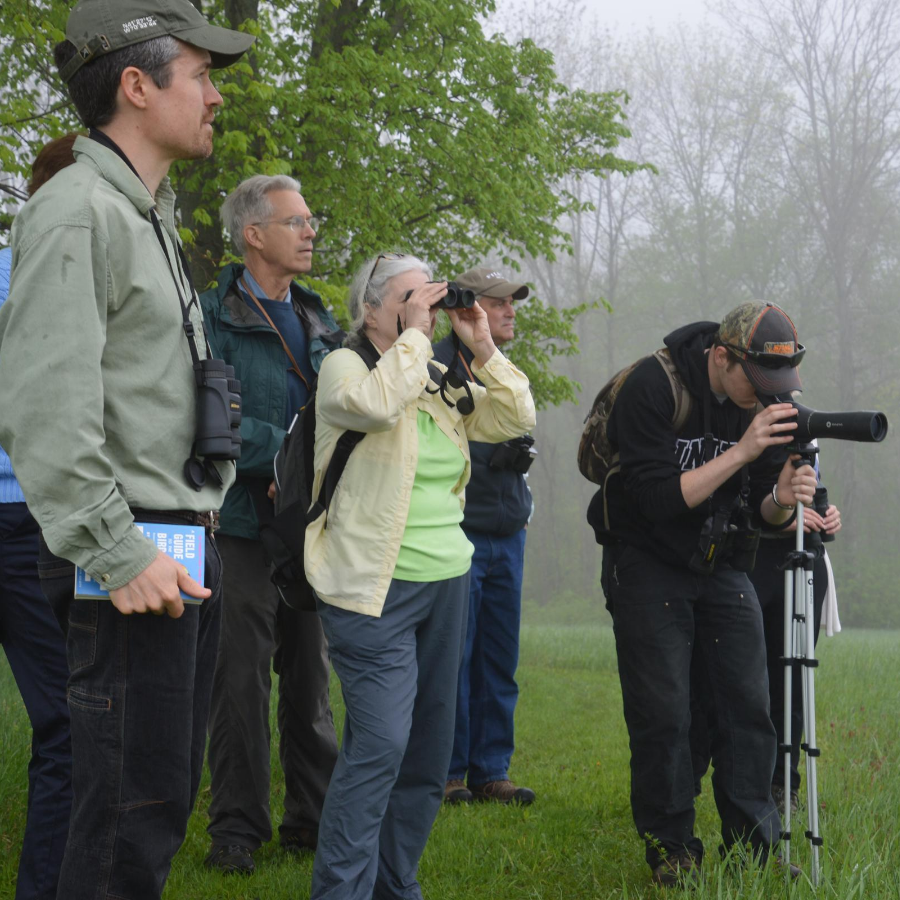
{"x":368,"y":288}
{"x":248,"y":203}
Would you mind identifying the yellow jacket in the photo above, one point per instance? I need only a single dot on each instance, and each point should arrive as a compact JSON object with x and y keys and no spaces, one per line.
{"x":350,"y":558}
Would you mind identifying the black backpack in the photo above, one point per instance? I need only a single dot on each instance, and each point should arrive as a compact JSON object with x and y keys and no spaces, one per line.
{"x":282,"y":526}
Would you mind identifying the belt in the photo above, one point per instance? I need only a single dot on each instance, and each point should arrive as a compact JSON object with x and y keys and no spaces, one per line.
{"x":208,"y":519}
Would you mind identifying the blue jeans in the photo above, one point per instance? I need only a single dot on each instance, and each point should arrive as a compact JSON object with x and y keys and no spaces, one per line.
{"x":139,"y":695}
{"x":398,"y":677}
{"x":483,"y":741}
{"x":665,"y":618}
{"x":36,"y":651}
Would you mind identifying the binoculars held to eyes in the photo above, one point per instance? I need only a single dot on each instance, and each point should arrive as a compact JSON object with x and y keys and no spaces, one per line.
{"x":457,"y":297}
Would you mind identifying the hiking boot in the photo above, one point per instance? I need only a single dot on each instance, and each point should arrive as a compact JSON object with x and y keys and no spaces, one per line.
{"x":778,"y":797}
{"x":300,"y":841}
{"x":503,"y":792}
{"x":779,"y":863}
{"x":230,"y":858}
{"x":677,"y":870}
{"x":455,"y":791}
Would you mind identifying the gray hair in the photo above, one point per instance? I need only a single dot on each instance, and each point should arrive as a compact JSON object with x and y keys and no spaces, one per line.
{"x":368,"y":289}
{"x":249,"y":203}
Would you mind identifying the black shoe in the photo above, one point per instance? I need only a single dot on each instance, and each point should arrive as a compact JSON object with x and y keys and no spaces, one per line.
{"x":677,"y":870}
{"x":301,"y":841}
{"x":229,"y":858}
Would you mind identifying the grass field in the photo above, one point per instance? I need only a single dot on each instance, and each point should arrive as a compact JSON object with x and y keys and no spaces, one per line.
{"x":578,"y":841}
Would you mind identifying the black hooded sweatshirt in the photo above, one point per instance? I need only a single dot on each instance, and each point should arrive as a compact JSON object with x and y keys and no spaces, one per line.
{"x":646,"y":505}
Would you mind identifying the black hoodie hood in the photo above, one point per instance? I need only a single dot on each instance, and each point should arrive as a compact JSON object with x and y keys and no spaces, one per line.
{"x":687,"y":345}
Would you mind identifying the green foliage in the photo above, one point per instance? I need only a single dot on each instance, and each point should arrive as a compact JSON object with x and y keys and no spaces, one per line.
{"x":33,"y":106}
{"x":404,"y":122}
{"x":543,"y":332}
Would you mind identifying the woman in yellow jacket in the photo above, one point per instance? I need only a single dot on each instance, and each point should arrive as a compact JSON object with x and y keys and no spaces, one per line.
{"x":390,"y":565}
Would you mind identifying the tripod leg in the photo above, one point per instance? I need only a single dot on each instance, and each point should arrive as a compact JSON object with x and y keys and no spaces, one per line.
{"x":789,"y":650}
{"x":809,"y":719}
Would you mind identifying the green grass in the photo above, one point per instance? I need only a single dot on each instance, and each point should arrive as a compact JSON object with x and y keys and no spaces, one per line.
{"x":578,"y":840}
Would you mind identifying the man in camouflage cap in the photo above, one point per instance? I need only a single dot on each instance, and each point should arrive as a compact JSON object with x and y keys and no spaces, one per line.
{"x":678,"y":591}
{"x":98,"y":412}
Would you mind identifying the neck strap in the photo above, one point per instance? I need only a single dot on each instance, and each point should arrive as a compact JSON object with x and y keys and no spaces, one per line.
{"x":295,"y":366}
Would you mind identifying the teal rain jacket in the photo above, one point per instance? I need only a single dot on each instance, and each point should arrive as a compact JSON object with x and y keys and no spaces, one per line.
{"x":242,"y":337}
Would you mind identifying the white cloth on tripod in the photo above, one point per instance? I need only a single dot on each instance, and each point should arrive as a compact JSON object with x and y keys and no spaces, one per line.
{"x":830,"y":618}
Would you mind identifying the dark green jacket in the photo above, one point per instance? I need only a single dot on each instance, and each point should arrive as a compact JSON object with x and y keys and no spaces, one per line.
{"x":244,"y":339}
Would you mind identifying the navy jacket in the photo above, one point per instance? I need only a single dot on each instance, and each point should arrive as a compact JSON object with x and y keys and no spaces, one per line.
{"x":498,"y":501}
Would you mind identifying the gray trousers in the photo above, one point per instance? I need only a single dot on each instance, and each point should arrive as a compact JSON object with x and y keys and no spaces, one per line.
{"x":398,"y":675}
{"x":256,"y":626}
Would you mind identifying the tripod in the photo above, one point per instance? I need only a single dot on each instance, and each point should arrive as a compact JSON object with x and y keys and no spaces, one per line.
{"x":799,"y":650}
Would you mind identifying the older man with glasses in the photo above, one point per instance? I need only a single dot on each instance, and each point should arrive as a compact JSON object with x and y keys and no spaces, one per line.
{"x":275,"y":333}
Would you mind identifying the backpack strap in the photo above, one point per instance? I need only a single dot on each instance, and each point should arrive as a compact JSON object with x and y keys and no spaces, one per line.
{"x":345,"y":445}
{"x":680,"y":393}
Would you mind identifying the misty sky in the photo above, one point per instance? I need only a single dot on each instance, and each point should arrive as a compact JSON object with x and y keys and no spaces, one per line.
{"x":642,"y":13}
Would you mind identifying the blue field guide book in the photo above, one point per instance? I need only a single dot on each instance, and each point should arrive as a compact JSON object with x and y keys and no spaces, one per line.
{"x":184,"y":543}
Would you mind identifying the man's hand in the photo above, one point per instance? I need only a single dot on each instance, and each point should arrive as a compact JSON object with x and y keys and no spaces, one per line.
{"x":270,"y":493}
{"x":772,"y":427}
{"x":796,"y":485}
{"x":157,"y":588}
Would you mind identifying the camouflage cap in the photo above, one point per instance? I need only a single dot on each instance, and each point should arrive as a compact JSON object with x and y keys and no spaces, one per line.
{"x":97,"y":27}
{"x":488,"y":282}
{"x":763,"y":337}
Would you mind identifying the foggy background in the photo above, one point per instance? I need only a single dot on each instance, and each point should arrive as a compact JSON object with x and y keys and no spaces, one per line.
{"x":775,"y":129}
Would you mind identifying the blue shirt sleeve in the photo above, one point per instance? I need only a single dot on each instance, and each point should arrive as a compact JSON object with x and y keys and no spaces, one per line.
{"x":10,"y":492}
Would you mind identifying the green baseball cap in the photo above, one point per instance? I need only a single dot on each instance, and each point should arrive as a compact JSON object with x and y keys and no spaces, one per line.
{"x":97,"y":27}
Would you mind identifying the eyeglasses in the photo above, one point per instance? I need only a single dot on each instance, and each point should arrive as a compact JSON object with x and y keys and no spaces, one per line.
{"x":769,"y":360}
{"x":295,"y":223}
{"x":380,"y":257}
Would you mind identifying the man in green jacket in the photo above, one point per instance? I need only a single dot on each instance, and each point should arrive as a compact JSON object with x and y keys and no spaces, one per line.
{"x":98,"y":411}
{"x":275,"y":333}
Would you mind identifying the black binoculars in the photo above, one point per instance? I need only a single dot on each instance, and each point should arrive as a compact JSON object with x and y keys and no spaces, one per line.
{"x":218,"y":434}
{"x":218,"y":424}
{"x":457,"y":297}
{"x":517,"y":454}
{"x":727,"y":535}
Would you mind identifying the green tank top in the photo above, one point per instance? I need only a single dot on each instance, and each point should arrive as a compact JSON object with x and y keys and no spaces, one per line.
{"x":434,"y":546}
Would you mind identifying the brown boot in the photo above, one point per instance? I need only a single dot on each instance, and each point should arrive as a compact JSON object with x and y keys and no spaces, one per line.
{"x":503,"y":792}
{"x":455,"y":791}
{"x":677,"y":870}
